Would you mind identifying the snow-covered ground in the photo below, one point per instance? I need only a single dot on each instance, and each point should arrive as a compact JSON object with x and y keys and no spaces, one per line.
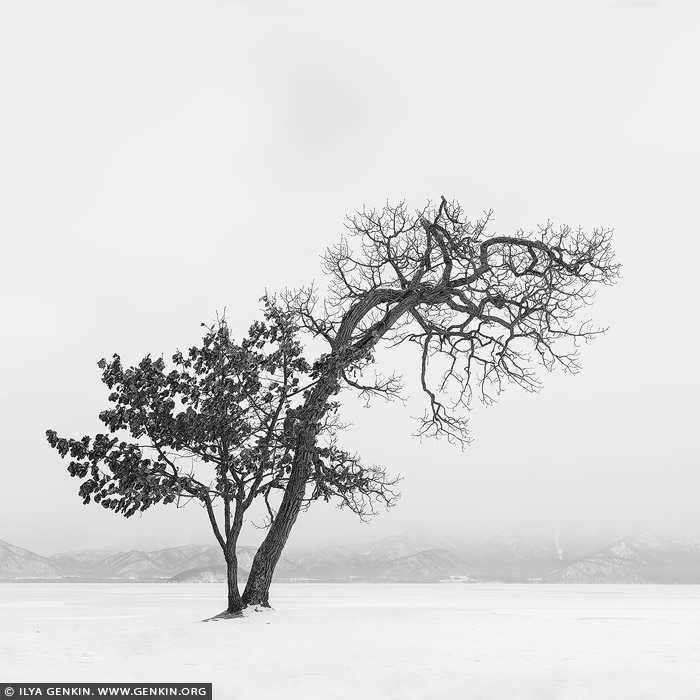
{"x":366,"y":641}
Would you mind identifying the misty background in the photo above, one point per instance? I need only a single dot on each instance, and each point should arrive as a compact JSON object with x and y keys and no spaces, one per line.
{"x":164,"y":161}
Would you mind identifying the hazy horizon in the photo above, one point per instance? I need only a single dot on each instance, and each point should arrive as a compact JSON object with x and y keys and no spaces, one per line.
{"x":597,"y":539}
{"x":163,"y":161}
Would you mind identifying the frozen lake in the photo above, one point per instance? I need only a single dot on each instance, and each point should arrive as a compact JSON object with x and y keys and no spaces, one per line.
{"x":332,"y":641}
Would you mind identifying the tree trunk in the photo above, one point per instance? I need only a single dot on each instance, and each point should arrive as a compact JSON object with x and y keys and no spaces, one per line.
{"x":235,"y":603}
{"x":257,"y":590}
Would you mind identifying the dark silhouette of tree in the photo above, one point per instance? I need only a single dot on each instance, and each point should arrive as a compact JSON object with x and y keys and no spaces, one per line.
{"x":220,"y":428}
{"x":231,"y":423}
{"x":484,"y":310}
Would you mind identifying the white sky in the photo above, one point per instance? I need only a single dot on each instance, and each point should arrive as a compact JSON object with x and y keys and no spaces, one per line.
{"x":160,"y":161}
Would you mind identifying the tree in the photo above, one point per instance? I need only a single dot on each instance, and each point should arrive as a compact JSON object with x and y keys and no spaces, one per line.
{"x":218,"y":428}
{"x":483,"y":310}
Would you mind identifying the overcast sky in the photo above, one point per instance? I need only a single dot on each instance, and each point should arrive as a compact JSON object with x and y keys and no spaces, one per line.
{"x":163,"y":160}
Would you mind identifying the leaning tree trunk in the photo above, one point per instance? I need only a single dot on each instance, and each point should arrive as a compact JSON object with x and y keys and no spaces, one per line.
{"x":257,"y":590}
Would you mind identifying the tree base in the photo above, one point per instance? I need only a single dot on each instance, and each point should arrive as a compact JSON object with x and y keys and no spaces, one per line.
{"x":228,"y":615}
{"x":225,"y":615}
{"x":258,"y":607}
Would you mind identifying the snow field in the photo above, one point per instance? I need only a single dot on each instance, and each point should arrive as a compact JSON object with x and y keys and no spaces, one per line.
{"x":370,"y":641}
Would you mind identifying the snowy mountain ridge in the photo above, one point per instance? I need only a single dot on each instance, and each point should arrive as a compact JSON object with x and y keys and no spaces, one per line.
{"x":413,"y":556}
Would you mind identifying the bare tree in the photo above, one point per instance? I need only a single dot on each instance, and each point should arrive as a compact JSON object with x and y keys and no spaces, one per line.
{"x":484,"y":310}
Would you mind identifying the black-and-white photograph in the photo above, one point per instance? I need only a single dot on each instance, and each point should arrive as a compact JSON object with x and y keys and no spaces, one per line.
{"x":348,"y":349}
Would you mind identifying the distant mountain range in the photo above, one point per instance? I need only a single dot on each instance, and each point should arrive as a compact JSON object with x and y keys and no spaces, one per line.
{"x":412,"y":556}
{"x":191,"y":562}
